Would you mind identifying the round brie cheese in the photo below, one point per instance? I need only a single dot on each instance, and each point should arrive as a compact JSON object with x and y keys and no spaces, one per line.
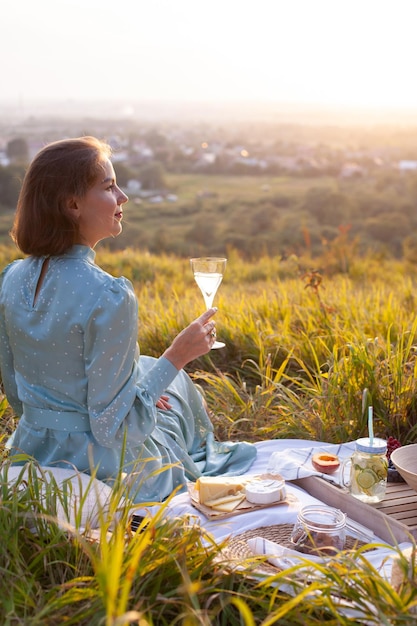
{"x":265,"y":491}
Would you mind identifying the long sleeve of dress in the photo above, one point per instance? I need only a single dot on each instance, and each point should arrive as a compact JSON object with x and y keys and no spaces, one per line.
{"x":118,"y":399}
{"x":7,"y":369}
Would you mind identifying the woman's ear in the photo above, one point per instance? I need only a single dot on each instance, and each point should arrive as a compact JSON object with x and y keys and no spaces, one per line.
{"x":72,"y":207}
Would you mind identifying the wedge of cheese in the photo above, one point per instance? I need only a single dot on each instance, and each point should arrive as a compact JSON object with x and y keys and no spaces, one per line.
{"x":228,"y":504}
{"x":221,"y":491}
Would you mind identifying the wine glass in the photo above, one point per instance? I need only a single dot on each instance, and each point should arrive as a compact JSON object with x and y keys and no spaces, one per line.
{"x":208,"y":274}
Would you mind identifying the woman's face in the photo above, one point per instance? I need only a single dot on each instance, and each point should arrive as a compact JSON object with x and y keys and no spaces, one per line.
{"x":99,"y":212}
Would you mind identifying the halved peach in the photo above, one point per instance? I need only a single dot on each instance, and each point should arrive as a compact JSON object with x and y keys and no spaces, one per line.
{"x":325,"y":463}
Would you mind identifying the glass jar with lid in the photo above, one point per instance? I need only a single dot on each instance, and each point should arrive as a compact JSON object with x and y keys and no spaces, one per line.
{"x":319,"y":530}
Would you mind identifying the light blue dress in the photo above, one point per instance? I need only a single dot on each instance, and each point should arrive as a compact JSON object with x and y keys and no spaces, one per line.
{"x":72,"y":372}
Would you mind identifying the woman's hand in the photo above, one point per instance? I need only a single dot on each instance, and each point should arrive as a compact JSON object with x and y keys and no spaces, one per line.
{"x":193,"y":341}
{"x":163,"y":403}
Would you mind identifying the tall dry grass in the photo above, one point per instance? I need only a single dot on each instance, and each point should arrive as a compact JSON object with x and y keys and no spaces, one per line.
{"x":301,"y":343}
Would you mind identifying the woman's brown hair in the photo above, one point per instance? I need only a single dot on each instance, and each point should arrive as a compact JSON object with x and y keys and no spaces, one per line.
{"x":60,"y":171}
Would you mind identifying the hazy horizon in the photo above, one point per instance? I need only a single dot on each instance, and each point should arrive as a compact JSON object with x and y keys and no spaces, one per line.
{"x":238,"y":111}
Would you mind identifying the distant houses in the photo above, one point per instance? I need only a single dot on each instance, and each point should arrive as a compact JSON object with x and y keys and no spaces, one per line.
{"x":183,"y":149}
{"x":407,"y":166}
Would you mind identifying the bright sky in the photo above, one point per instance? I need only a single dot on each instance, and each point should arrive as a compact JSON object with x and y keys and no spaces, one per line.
{"x":344,"y":52}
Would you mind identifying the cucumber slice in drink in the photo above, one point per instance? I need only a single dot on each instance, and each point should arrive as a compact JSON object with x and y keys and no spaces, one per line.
{"x":380,"y":468}
{"x":367,"y":479}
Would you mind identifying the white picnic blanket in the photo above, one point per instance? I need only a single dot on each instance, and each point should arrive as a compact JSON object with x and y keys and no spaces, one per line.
{"x":286,"y":513}
{"x":290,"y":457}
{"x":294,"y":462}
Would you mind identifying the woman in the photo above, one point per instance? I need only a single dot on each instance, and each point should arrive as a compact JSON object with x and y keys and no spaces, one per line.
{"x":69,"y":357}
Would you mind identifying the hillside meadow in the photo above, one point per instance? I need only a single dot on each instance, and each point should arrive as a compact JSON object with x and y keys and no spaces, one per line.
{"x":194,"y":214}
{"x":301,"y":344}
{"x":274,"y":215}
{"x":304,"y":338}
{"x":210,"y":213}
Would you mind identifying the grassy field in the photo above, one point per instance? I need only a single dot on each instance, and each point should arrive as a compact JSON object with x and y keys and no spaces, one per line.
{"x":231,"y":188}
{"x":299,"y":344}
{"x":301,"y":347}
{"x":274,"y":215}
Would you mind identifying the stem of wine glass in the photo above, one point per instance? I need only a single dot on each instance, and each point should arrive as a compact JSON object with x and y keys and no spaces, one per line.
{"x":208,"y":299}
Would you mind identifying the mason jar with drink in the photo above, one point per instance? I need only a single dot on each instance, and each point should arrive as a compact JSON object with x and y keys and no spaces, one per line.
{"x":368,"y":474}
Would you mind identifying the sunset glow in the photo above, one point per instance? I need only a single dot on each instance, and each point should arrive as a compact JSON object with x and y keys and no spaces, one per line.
{"x":328,"y":52}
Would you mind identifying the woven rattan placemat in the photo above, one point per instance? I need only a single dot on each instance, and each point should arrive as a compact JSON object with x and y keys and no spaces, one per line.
{"x":237,"y":548}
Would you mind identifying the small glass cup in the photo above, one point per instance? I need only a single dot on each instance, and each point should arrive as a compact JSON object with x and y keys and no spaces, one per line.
{"x":319,"y":530}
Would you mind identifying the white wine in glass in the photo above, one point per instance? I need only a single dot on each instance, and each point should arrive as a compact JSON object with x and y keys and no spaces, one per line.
{"x":208,"y":273}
